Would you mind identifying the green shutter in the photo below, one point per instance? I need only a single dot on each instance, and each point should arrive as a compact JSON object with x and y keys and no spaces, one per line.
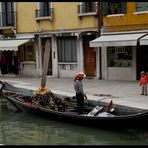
{"x":123,"y":7}
{"x":105,"y":8}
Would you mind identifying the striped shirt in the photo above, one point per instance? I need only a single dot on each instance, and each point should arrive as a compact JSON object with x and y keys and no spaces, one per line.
{"x":78,"y":86}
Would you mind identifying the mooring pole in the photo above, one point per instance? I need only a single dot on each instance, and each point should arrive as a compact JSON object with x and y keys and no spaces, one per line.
{"x":45,"y":64}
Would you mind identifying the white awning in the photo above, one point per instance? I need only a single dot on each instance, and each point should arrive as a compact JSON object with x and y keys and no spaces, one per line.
{"x":116,"y":40}
{"x":12,"y":44}
{"x":144,"y":40}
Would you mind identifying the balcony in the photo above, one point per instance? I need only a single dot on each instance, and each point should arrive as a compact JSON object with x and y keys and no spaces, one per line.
{"x":43,"y":14}
{"x":87,"y":10}
{"x":7,"y":19}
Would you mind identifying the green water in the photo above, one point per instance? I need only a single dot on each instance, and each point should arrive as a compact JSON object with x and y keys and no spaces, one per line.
{"x":17,"y":128}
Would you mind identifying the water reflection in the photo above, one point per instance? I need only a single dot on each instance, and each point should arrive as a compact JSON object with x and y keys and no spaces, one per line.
{"x":17,"y":128}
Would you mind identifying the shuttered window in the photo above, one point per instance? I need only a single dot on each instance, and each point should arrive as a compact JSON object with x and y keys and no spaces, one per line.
{"x":44,"y":9}
{"x":141,"y":6}
{"x":119,"y":7}
{"x":7,"y":14}
{"x":67,"y":49}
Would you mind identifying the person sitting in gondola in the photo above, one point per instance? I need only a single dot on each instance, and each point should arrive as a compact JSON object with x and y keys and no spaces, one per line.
{"x":80,"y":95}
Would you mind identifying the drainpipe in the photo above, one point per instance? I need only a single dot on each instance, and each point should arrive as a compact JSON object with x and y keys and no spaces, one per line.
{"x":137,"y":57}
{"x":100,"y":23}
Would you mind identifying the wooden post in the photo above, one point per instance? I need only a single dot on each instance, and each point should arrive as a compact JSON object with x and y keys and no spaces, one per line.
{"x":45,"y":64}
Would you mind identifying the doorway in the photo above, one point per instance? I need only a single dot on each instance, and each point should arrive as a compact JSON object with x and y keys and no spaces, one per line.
{"x":89,"y":56}
{"x":9,"y":62}
{"x":142,"y":60}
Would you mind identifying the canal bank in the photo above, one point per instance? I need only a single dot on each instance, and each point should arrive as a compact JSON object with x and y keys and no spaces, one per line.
{"x":126,"y":93}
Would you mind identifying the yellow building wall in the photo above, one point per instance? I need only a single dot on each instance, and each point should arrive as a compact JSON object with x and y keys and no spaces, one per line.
{"x":65,"y":17}
{"x":26,"y":17}
{"x":129,"y":21}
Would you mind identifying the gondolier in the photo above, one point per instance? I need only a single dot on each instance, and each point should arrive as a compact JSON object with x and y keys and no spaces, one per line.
{"x":80,"y":95}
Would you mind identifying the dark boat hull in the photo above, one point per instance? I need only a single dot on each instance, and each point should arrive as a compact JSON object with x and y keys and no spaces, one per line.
{"x":136,"y":120}
{"x":125,"y":117}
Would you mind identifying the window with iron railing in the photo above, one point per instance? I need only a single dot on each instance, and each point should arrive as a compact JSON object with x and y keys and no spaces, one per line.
{"x":87,"y":7}
{"x":44,"y":10}
{"x":44,"y":13}
{"x":7,"y":18}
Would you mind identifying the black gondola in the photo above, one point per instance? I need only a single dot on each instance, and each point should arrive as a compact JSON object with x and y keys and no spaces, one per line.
{"x":94,"y":115}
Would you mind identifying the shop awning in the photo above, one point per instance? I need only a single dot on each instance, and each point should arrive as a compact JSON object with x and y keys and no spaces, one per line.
{"x":12,"y":44}
{"x":144,"y":40}
{"x":118,"y":40}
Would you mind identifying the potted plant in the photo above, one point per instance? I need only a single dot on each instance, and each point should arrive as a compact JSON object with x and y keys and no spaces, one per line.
{"x":114,"y":8}
{"x":117,"y":7}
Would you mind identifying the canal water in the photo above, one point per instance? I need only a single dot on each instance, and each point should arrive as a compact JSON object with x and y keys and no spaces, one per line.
{"x":17,"y":128}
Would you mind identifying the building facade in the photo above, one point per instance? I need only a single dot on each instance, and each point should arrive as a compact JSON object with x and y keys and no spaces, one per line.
{"x":123,"y":42}
{"x":106,"y":40}
{"x":69,"y":27}
{"x":13,"y":44}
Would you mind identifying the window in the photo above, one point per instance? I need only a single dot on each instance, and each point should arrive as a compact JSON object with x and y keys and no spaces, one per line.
{"x":141,"y":6}
{"x":87,"y":7}
{"x":44,"y":10}
{"x":119,"y":56}
{"x":113,"y":8}
{"x":67,"y":50}
{"x":7,"y":15}
{"x":29,"y":52}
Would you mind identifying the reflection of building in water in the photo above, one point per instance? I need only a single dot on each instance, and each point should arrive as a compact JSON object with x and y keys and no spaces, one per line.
{"x":5,"y":105}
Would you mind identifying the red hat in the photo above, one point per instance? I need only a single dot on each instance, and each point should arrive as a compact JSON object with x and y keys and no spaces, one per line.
{"x":79,"y":75}
{"x":76,"y":76}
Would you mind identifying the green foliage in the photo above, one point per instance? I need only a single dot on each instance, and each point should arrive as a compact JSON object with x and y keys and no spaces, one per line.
{"x":114,"y":6}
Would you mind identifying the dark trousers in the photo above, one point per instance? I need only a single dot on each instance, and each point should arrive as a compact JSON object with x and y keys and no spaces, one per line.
{"x":80,"y":102}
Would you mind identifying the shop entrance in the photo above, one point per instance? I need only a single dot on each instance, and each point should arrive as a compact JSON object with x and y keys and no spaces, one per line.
{"x":142,"y":60}
{"x":9,"y":62}
{"x":89,"y":57}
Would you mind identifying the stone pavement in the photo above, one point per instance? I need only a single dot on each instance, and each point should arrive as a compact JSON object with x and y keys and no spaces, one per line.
{"x":125,"y":93}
